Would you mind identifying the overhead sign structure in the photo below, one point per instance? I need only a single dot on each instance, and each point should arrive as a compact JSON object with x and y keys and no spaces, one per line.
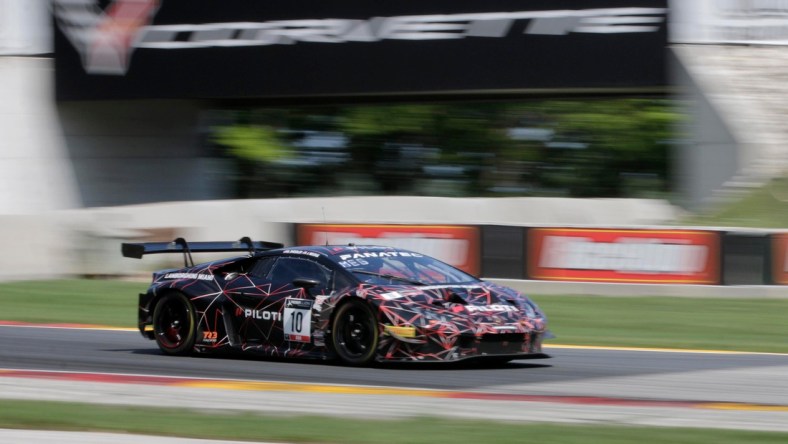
{"x":750,"y":22}
{"x":619,"y":255}
{"x":25,"y":28}
{"x":255,"y":49}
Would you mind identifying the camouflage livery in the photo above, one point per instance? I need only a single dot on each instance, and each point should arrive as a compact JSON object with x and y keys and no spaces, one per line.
{"x":356,"y":303}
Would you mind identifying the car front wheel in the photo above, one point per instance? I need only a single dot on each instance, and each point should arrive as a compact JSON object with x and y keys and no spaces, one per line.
{"x":354,"y":334}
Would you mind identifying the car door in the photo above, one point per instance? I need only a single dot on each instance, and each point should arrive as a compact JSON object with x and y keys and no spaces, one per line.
{"x":295,"y":282}
{"x":269,"y":309}
{"x":253,"y":305}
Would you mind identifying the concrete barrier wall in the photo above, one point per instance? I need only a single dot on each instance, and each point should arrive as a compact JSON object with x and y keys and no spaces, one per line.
{"x":87,"y":241}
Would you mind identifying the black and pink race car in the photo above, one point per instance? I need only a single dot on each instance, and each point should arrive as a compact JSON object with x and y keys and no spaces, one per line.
{"x":357,"y":303}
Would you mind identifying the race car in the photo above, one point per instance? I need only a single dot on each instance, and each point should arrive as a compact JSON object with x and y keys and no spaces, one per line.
{"x":355,"y":303}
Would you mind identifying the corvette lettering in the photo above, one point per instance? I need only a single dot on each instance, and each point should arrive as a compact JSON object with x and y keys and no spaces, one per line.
{"x":106,"y":39}
{"x":416,"y":27}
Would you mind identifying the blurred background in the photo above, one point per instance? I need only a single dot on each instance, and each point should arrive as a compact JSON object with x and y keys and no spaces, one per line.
{"x":147,"y":120}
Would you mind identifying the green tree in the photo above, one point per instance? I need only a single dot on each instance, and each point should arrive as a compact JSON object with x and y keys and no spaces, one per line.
{"x":461,"y":132}
{"x":253,"y":147}
{"x":624,"y":138}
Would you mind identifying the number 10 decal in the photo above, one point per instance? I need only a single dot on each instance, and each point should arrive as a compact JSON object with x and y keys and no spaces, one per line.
{"x":298,"y":320}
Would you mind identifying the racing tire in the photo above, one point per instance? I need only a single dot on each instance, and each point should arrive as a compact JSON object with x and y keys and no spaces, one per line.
{"x":354,"y":333}
{"x":174,"y":324}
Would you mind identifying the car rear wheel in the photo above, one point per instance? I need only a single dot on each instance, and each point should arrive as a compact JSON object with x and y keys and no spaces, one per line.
{"x":174,"y":322}
{"x":354,"y":334}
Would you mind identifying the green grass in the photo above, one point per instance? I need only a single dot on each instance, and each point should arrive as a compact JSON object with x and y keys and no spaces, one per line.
{"x":213,"y":424}
{"x":763,"y":207}
{"x":700,"y":323}
{"x":100,"y":302}
{"x":725,"y":324}
{"x":735,"y":324}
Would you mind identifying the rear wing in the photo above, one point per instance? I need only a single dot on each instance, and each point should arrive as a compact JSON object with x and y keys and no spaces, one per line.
{"x":179,"y":245}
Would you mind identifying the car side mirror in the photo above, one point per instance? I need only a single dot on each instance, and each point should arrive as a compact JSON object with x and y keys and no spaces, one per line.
{"x":306,"y":283}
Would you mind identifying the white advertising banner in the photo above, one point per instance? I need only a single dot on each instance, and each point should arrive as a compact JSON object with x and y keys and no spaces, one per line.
{"x":753,"y":22}
{"x":25,"y":27}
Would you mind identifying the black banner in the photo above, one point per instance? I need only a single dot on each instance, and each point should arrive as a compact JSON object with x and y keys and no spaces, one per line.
{"x":235,"y":49}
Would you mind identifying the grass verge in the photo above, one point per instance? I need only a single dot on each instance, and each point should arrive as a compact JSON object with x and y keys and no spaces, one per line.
{"x":762,"y":207}
{"x":756,"y":325}
{"x":254,"y":427}
{"x":81,"y":301}
{"x":702,"y":323}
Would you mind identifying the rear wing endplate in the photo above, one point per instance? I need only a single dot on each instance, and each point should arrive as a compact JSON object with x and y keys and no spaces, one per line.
{"x":179,"y":245}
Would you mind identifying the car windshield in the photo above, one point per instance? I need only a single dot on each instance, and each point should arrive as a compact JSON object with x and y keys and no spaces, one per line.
{"x":402,"y":268}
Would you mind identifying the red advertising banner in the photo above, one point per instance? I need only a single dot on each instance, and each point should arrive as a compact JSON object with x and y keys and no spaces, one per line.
{"x":780,"y":258}
{"x":455,"y":245}
{"x":613,"y":255}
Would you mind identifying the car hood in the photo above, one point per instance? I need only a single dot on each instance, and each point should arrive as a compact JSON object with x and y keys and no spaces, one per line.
{"x":481,"y":301}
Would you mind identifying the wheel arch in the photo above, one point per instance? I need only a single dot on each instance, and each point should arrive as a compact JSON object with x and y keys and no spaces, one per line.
{"x":187,"y":345}
{"x":347,"y":299}
{"x":147,"y":304}
{"x":374,"y":310}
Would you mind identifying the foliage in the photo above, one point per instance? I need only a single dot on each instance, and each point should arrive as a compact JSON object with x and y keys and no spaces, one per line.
{"x":625,"y":140}
{"x":618,"y":147}
{"x":254,"y":143}
{"x":615,"y":144}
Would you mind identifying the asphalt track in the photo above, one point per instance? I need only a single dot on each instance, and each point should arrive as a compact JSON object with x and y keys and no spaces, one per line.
{"x":644,"y":387}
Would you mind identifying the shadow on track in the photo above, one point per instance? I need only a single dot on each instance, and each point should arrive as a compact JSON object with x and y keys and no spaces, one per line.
{"x":468,"y":364}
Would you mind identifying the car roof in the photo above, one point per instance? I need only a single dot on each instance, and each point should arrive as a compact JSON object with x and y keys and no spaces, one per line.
{"x":334,"y":251}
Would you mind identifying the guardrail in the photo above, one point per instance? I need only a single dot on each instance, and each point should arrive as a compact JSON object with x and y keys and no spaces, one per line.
{"x":582,"y":254}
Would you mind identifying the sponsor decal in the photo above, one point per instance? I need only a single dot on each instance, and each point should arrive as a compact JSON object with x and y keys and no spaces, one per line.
{"x":210,"y":337}
{"x":264,"y":315}
{"x":319,"y":301}
{"x":352,"y":263}
{"x":495,"y":308}
{"x":658,"y":256}
{"x":780,"y":258}
{"x":504,"y":328}
{"x":298,"y":320}
{"x":202,"y":277}
{"x":456,"y":245}
{"x":401,"y":331}
{"x":345,"y":257}
{"x":303,"y":253}
{"x":106,"y":39}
